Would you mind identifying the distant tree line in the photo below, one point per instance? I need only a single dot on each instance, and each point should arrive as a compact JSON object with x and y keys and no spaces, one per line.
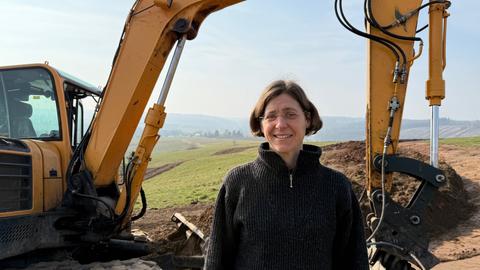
{"x":225,"y":134}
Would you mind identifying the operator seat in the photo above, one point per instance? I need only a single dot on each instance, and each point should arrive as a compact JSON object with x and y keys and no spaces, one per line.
{"x":20,"y":123}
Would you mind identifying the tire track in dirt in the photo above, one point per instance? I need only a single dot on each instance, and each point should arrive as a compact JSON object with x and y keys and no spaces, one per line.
{"x":151,"y":172}
{"x":232,"y":150}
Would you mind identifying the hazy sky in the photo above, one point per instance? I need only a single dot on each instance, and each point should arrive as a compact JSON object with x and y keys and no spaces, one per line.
{"x":239,"y":50}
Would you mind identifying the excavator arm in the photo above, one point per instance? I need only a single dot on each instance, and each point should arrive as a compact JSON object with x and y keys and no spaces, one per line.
{"x":398,"y":233}
{"x":151,"y":30}
{"x":56,"y":198}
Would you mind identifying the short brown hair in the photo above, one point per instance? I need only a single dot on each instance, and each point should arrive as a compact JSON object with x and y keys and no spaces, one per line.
{"x":292,"y":89}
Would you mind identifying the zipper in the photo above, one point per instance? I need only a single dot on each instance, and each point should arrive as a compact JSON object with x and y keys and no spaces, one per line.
{"x":290,"y":174}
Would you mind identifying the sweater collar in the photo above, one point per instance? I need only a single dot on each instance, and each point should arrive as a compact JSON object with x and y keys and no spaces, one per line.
{"x":307,"y":158}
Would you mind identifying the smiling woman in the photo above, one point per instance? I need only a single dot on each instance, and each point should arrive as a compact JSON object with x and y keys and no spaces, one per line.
{"x":285,"y":210}
{"x":284,"y":115}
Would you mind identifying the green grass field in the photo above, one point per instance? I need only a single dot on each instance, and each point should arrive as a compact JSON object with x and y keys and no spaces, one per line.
{"x":199,"y":177}
{"x":468,"y":142}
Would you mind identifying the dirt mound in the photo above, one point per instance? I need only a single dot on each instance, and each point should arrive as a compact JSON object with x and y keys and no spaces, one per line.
{"x":448,"y":208}
{"x":205,"y":220}
{"x":151,"y":172}
{"x":158,"y":225}
{"x":232,"y":150}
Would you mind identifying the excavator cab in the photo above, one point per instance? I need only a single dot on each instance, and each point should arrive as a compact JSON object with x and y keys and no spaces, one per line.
{"x":41,"y":124}
{"x":60,"y":183}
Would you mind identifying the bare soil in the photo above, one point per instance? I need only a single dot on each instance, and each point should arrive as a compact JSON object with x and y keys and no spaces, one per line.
{"x":158,"y":225}
{"x":232,"y":150}
{"x":454,"y":219}
{"x":448,"y":208}
{"x":151,"y":172}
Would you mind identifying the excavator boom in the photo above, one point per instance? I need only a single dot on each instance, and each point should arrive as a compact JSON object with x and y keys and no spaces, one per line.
{"x":151,"y":30}
{"x":383,"y":94}
{"x":79,"y":197}
{"x":397,"y":232}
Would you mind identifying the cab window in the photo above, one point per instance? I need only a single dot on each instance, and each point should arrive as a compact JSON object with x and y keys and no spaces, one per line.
{"x":29,"y":104}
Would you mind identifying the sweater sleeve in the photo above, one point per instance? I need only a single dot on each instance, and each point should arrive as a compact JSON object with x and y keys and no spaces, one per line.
{"x":221,"y":246}
{"x":350,"y":249}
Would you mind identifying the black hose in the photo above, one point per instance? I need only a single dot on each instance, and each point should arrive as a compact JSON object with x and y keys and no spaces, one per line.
{"x":390,"y":45}
{"x":128,"y":187}
{"x":369,"y":15}
{"x":144,"y":206}
{"x":145,"y":9}
{"x":421,"y":29}
{"x":411,"y":13}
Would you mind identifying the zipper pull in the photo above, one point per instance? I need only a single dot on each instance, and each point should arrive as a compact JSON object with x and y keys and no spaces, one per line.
{"x":291,"y":180}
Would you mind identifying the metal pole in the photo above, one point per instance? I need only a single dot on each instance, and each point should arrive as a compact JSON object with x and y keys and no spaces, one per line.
{"x":171,"y":70}
{"x":434,"y":135}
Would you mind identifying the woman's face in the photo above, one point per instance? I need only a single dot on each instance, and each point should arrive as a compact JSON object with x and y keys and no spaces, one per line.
{"x":284,"y":125}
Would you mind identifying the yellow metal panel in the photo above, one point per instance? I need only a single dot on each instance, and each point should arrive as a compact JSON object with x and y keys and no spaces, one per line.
{"x":380,"y":88}
{"x":53,"y":193}
{"x":51,"y":159}
{"x":435,"y":85}
{"x":52,"y":175}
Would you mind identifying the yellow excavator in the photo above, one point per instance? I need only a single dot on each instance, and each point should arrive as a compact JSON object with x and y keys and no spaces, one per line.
{"x":398,"y":234}
{"x":63,"y":184}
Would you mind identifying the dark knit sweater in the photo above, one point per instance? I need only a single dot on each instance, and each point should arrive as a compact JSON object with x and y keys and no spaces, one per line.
{"x":261,"y":222}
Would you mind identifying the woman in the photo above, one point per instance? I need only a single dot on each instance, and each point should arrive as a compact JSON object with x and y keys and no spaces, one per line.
{"x":285,"y":210}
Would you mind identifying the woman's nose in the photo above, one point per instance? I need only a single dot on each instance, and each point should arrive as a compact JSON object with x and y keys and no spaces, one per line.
{"x":281,"y":121}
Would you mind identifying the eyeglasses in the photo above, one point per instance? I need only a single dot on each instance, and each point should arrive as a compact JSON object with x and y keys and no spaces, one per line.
{"x":272,"y":117}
